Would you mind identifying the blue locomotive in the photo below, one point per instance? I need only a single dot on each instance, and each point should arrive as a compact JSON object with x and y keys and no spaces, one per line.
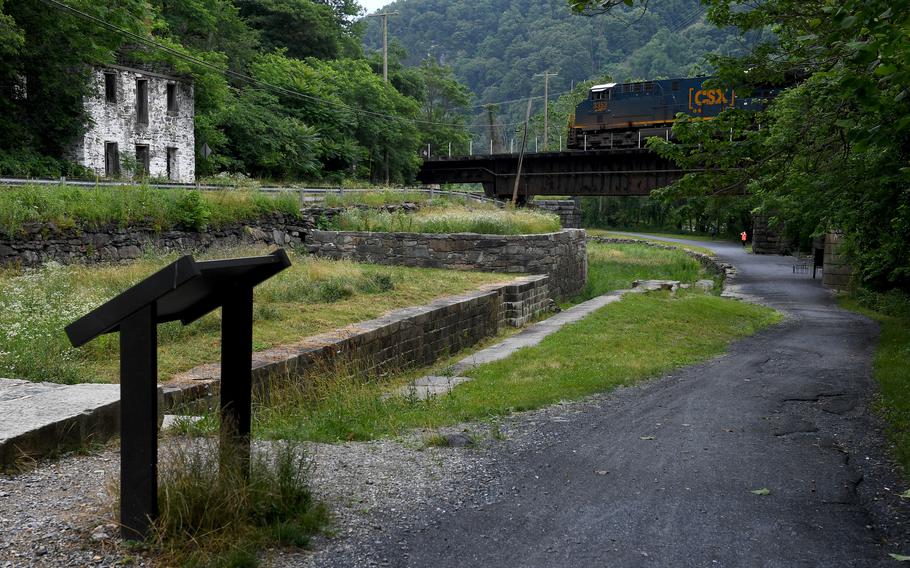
{"x":623,"y":115}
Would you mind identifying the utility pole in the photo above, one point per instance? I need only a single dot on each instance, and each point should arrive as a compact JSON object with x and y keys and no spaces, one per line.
{"x":491,"y":110}
{"x":385,"y":67}
{"x":385,"y":41}
{"x":546,"y":105}
{"x":521,"y":154}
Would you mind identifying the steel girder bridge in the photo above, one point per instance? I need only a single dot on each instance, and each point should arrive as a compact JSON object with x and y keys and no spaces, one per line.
{"x":595,"y":172}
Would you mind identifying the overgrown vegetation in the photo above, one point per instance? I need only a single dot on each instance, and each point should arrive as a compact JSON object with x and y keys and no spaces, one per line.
{"x":612,"y":267}
{"x":639,"y":337}
{"x":374,"y":198}
{"x":124,"y":206}
{"x":317,"y":106}
{"x":313,"y":296}
{"x":830,"y":152}
{"x":212,"y":515}
{"x":378,"y":198}
{"x":473,"y":218}
{"x":892,"y":359}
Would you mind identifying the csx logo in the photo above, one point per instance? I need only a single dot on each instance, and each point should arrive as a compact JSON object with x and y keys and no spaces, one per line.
{"x":706,"y":97}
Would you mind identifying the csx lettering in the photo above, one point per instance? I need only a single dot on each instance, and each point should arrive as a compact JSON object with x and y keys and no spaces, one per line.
{"x":710,"y":97}
{"x":600,"y":107}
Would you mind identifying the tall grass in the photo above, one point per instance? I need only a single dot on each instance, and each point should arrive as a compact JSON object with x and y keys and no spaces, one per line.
{"x":211,"y":514}
{"x":312,"y":296}
{"x":374,"y":198}
{"x":162,"y":209}
{"x":449,"y":220}
{"x":613,"y":267}
{"x":892,"y":359}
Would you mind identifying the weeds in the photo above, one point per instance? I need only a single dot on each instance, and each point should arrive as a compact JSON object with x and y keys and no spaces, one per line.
{"x":161,"y":209}
{"x":613,"y":267}
{"x":212,"y":515}
{"x":892,"y":359}
{"x":313,"y":296}
{"x":456,"y":219}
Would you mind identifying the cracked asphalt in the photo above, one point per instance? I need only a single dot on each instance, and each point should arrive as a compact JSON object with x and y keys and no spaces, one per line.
{"x":766,"y":456}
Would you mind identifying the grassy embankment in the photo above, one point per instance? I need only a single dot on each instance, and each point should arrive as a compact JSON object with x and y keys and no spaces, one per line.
{"x":656,"y":238}
{"x":88,"y":207}
{"x":467,"y":218}
{"x":313,"y":296}
{"x":613,"y":267}
{"x":892,"y":359}
{"x":639,"y":337}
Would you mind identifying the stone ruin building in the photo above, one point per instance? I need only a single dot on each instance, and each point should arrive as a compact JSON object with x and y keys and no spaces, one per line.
{"x":141,"y":125}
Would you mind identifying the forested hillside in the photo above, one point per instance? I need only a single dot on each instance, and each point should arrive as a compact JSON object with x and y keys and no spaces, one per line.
{"x":497,"y":46}
{"x":283,"y":88}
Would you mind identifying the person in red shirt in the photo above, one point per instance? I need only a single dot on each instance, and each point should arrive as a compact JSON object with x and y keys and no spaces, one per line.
{"x":742,"y":237}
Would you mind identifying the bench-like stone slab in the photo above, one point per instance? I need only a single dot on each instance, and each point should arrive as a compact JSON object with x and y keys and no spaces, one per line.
{"x":37,"y":419}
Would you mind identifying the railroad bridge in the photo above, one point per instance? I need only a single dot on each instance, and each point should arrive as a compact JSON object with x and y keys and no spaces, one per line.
{"x":619,"y":172}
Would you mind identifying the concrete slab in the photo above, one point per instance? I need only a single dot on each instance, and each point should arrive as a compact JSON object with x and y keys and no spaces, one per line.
{"x":655,"y":285}
{"x":430,"y":386}
{"x":37,"y":419}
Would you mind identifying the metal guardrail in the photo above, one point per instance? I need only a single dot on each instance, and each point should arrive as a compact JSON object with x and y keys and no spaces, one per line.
{"x":307,"y":194}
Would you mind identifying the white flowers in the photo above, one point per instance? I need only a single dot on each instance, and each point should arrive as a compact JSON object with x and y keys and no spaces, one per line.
{"x":34,"y":308}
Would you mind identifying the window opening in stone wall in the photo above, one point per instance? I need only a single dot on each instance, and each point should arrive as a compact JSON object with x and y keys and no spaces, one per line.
{"x":142,"y":160}
{"x":110,"y":87}
{"x":142,"y":101}
{"x":171,"y":98}
{"x":171,"y":163}
{"x":111,"y":159}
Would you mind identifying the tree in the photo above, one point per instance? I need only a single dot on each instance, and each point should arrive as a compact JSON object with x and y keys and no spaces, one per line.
{"x":833,"y":147}
{"x":443,"y":107}
{"x":45,"y":64}
{"x":304,"y":28}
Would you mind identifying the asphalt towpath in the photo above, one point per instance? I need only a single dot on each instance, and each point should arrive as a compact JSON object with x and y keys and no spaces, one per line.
{"x":766,"y":456}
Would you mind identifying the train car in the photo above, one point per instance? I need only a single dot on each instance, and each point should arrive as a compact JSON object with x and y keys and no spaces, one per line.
{"x":623,"y":115}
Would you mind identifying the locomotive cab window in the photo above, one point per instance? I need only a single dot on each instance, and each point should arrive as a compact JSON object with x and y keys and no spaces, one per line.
{"x":674,"y":86}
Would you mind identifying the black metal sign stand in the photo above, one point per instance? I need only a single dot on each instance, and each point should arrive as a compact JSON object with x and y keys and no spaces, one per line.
{"x":184,"y":290}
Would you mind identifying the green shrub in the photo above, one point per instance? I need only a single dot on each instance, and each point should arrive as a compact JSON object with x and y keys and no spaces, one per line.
{"x":375,"y":283}
{"x":192,"y":211}
{"x":26,"y":163}
{"x":333,"y":290}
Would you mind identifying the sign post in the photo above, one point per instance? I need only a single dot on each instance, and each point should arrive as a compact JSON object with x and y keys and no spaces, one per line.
{"x":184,"y":290}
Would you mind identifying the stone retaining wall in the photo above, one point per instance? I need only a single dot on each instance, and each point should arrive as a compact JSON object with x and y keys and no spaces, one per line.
{"x":767,"y":239}
{"x":39,"y":243}
{"x":567,"y":209}
{"x":404,"y":338}
{"x":836,"y":272}
{"x":562,"y":255}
